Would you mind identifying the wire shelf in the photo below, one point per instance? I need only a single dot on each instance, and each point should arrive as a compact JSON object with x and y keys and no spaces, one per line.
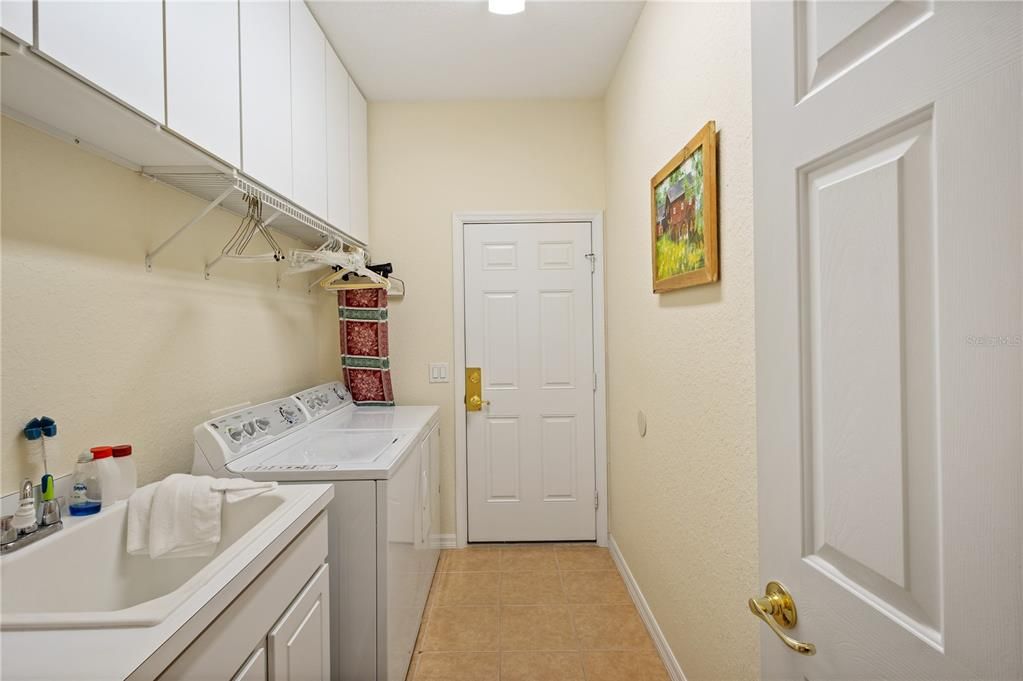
{"x":228,"y":190}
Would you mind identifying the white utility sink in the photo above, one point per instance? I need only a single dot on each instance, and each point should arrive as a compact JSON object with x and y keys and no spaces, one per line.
{"x":82,"y":576}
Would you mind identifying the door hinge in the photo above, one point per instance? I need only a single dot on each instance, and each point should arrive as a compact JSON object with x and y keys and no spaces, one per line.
{"x":596,"y":500}
{"x":594,"y":381}
{"x":592,"y":257}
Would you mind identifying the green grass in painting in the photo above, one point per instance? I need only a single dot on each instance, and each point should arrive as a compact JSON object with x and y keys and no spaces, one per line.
{"x":678,"y":257}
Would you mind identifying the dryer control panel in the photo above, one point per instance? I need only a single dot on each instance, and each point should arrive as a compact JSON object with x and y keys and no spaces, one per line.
{"x":250,"y":428}
{"x":324,"y":399}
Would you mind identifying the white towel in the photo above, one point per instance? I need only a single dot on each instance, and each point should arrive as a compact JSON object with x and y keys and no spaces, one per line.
{"x":140,"y":505}
{"x":236,"y":489}
{"x":179,"y":517}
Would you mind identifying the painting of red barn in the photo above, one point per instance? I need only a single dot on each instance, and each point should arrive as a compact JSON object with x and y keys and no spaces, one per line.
{"x":683,"y":204}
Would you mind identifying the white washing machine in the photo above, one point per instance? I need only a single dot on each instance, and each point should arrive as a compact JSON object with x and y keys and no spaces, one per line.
{"x":384,"y":463}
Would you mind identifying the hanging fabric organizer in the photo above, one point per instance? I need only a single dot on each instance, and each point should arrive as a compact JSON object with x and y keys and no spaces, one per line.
{"x":365,"y":361}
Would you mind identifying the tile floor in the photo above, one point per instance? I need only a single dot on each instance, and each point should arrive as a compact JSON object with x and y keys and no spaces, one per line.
{"x":532,"y":613}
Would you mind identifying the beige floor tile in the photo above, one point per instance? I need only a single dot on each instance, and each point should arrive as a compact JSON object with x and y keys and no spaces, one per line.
{"x":610,"y":627}
{"x":458,"y":667}
{"x":537,"y":627}
{"x":528,"y":559}
{"x":462,"y":629}
{"x":584,"y":558}
{"x":467,"y":588}
{"x":535,"y":666}
{"x":531,"y":588}
{"x":471,"y":560}
{"x":594,"y":587}
{"x":620,"y":665}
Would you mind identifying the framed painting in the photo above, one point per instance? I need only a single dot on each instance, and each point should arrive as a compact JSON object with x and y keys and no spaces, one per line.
{"x":684,"y":216}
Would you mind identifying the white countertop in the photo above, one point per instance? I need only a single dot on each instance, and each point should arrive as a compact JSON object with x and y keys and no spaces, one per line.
{"x":118,"y":653}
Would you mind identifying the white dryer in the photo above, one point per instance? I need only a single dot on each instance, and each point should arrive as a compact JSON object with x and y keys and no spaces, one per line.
{"x":383,"y":520}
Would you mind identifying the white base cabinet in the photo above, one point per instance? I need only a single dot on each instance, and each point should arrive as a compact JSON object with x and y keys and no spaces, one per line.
{"x":278,"y":629}
{"x":300,"y":643}
{"x":255,"y":668}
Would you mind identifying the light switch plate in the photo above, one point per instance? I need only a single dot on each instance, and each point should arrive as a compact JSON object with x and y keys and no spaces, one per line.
{"x":438,"y":372}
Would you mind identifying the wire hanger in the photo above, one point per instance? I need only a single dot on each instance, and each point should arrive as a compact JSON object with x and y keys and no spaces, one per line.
{"x":250,"y":225}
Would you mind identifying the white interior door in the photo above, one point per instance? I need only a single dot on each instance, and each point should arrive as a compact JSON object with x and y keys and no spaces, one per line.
{"x":529,"y":327}
{"x":888,"y":312}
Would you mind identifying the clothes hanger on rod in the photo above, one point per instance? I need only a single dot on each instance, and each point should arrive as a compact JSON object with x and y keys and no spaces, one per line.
{"x":250,"y":225}
{"x":342,"y":263}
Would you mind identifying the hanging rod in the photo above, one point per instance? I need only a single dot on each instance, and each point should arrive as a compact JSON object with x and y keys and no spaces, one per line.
{"x":228,"y":189}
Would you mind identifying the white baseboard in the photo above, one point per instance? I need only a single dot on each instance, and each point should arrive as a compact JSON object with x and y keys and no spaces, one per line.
{"x":663,"y":649}
{"x":446,"y":541}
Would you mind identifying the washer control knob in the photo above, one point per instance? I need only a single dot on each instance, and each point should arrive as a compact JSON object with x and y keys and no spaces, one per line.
{"x":249,"y":427}
{"x":262,"y":424}
{"x":235,"y":433}
{"x":288,"y":413}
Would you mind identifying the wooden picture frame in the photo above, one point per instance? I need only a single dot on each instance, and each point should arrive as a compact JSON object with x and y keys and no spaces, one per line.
{"x":684,"y":216}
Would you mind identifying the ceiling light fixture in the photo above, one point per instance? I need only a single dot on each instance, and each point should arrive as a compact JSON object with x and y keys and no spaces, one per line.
{"x":506,"y":6}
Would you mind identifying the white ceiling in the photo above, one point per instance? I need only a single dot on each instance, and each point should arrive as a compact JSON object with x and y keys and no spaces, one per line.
{"x":426,"y":50}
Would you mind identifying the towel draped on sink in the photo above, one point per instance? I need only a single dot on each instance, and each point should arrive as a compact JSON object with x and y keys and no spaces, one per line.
{"x":180,"y":516}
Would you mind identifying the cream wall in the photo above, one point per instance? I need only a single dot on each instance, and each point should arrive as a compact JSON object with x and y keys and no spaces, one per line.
{"x":683,"y":499}
{"x":429,"y":160}
{"x":116,"y":354}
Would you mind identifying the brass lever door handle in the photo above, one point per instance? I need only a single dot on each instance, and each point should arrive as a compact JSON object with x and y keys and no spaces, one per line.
{"x":476,"y":403}
{"x":778,"y":610}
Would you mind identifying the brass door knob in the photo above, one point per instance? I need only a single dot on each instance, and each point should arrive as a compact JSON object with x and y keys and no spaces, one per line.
{"x":777,"y":608}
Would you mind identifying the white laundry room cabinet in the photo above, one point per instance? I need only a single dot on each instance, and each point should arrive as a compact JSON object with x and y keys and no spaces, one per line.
{"x":266,"y":92}
{"x":116,"y":46}
{"x":203,"y":89}
{"x":308,"y":111}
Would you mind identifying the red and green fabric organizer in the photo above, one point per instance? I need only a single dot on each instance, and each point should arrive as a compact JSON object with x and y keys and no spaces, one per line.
{"x":365,"y":362}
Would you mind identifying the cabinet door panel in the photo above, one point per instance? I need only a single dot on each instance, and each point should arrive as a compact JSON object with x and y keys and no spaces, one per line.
{"x":203,"y":99}
{"x":359,"y":163}
{"x":117,"y":46}
{"x":255,"y":668}
{"x":266,"y":88}
{"x":308,"y":110}
{"x":300,"y":641}
{"x":337,"y":142}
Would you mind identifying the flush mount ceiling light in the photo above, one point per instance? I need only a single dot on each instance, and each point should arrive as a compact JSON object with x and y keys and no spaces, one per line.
{"x":506,"y":6}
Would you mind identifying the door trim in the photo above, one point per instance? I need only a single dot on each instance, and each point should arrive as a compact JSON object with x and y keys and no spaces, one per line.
{"x":458,"y":223}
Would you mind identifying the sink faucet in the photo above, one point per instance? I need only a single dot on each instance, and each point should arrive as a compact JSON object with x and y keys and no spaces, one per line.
{"x":28,"y":525}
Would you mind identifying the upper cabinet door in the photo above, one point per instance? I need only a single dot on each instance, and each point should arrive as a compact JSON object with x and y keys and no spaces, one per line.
{"x":118,"y":46}
{"x":16,"y":19}
{"x":308,"y":111}
{"x":266,"y":76}
{"x":358,"y":154}
{"x":337,"y":142}
{"x":203,"y":101}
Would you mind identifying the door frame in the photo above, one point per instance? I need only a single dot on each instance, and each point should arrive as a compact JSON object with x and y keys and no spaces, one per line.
{"x":458,"y":223}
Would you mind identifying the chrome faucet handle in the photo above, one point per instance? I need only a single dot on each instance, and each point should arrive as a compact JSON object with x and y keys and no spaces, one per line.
{"x":49,"y":513}
{"x":25,"y":517}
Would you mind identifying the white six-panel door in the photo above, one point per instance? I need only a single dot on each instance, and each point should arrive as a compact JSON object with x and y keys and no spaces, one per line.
{"x":529,"y":326}
{"x":888,"y":313}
